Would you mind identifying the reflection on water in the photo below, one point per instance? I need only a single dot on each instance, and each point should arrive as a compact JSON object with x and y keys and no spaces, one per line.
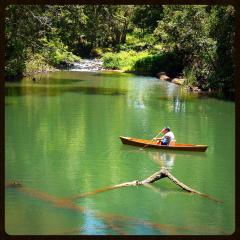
{"x":167,"y":158}
{"x":164,"y":159}
{"x":61,"y":81}
{"x":54,"y":91}
{"x":137,"y":104}
{"x":179,"y":106}
{"x":98,"y":90}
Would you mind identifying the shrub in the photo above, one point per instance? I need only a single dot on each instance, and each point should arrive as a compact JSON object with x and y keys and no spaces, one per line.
{"x":14,"y":68}
{"x":57,"y":53}
{"x":124,"y":60}
{"x":35,"y":63}
{"x":111,"y":60}
{"x":96,"y":52}
{"x":190,"y":75}
{"x":168,"y":62}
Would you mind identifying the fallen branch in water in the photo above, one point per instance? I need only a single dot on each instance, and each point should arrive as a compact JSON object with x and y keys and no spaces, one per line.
{"x":112,"y":221}
{"x":162,"y":173}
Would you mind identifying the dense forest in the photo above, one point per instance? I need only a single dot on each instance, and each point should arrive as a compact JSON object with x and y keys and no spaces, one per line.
{"x":195,"y":42}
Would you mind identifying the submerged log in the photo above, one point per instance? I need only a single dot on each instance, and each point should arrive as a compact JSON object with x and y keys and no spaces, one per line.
{"x":13,"y":184}
{"x":109,"y":219}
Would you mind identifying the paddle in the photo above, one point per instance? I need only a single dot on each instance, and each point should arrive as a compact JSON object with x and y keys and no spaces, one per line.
{"x":151,"y":140}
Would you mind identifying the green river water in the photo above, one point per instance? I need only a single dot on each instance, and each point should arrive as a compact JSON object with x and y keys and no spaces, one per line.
{"x":62,"y":139}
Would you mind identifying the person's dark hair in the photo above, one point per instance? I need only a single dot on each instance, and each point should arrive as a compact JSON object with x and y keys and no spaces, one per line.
{"x":167,"y":128}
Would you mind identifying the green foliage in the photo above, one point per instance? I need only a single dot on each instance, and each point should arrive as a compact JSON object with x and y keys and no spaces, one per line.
{"x":168,"y":62}
{"x":204,"y":35}
{"x":143,"y":38}
{"x":124,"y":60}
{"x":57,"y":53}
{"x":138,"y":42}
{"x":111,"y":60}
{"x":14,"y":68}
{"x":67,"y":23}
{"x":36,"y":63}
{"x":14,"y":59}
{"x":143,"y":62}
{"x":190,"y":75}
{"x":22,"y":31}
{"x":184,"y":28}
{"x":222,"y":20}
{"x":106,"y":25}
{"x":146,"y":17}
{"x":96,"y":52}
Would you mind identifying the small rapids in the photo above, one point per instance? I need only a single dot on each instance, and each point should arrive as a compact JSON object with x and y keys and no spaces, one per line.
{"x":87,"y":65}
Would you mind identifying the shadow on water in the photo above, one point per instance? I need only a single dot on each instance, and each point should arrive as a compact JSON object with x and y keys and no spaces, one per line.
{"x":183,"y":97}
{"x":186,"y":96}
{"x":10,"y":103}
{"x":62,"y":81}
{"x":98,"y":90}
{"x":55,"y":91}
{"x":111,"y":74}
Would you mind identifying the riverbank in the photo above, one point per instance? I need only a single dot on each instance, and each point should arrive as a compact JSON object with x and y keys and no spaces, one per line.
{"x":167,"y":66}
{"x":182,"y":82}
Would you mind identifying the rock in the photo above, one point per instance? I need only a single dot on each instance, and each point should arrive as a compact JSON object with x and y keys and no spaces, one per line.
{"x":160,"y":74}
{"x":179,"y":81}
{"x":163,"y":76}
{"x":63,"y":64}
{"x":194,"y":89}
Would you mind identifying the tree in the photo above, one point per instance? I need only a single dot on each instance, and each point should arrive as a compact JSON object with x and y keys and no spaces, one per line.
{"x":106,"y":25}
{"x":204,"y":37}
{"x":222,"y":20}
{"x":25,"y":25}
{"x":185,"y":29}
{"x":146,"y":17}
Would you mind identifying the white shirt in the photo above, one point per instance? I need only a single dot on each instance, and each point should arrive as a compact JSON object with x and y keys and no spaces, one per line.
{"x":169,"y":136}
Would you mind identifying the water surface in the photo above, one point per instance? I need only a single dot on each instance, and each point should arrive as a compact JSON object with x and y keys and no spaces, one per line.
{"x":61,"y":138}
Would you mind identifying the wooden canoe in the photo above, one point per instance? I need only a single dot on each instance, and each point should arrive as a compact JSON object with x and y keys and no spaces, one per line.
{"x":152,"y":144}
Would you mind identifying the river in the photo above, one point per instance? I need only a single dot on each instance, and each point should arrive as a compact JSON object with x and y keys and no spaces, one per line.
{"x":62,"y":139}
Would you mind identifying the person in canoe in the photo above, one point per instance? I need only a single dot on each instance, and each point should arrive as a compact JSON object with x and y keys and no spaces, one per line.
{"x":167,"y":138}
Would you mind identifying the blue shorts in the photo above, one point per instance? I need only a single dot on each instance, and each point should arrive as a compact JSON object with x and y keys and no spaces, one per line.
{"x":164,"y":142}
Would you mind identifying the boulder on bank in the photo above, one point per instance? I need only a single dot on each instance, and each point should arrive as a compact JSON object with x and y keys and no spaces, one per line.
{"x":163,"y":76}
{"x":194,"y":89}
{"x":179,"y":81}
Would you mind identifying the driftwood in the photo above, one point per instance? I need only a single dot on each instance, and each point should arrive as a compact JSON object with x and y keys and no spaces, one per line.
{"x":162,"y":173}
